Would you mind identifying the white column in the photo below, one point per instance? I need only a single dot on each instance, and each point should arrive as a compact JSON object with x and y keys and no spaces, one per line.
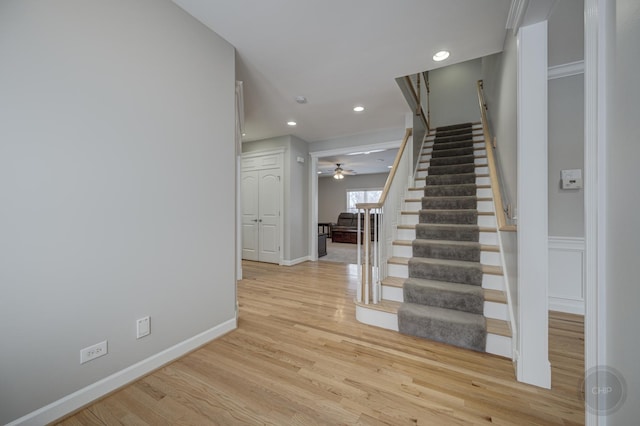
{"x":533,"y":270}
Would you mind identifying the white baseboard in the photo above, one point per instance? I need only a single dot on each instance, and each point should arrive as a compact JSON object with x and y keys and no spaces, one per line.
{"x":295,"y":261}
{"x":566,"y":275}
{"x":94,"y":391}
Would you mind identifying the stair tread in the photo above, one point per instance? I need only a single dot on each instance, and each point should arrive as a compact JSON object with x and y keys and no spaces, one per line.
{"x":483,"y":247}
{"x":486,"y":269}
{"x":499,"y":327}
{"x":496,"y":296}
{"x":481,"y":228}
{"x":490,"y":295}
{"x":415,"y":200}
{"x":475,"y":148}
{"x":389,"y":306}
{"x":481,"y":156}
{"x":394,"y":282}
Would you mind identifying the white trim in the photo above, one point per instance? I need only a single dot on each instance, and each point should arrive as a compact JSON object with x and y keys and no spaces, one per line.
{"x":516,"y":14}
{"x":262,"y":153}
{"x":349,"y":149}
{"x":296,"y":261}
{"x":565,"y":70}
{"x":280,"y":152}
{"x":533,"y":271}
{"x":599,"y":16}
{"x":313,"y":185}
{"x":313,"y":209}
{"x":94,"y":391}
{"x":569,"y":250}
{"x":502,"y":235}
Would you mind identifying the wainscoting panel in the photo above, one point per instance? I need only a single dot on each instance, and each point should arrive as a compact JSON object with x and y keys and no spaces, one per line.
{"x":566,"y":275}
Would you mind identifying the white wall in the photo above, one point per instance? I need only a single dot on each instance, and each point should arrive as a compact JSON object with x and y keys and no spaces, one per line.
{"x":332,"y":193}
{"x":454,"y":97}
{"x":116,"y":148}
{"x":621,"y":206}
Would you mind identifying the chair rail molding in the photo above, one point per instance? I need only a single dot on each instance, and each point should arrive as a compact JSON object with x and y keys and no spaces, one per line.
{"x":565,"y":70}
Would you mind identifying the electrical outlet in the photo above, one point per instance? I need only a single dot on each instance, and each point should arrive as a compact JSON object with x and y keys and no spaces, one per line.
{"x":143,"y":327}
{"x":93,"y":352}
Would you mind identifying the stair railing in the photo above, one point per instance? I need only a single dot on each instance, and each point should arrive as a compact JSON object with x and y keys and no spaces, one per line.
{"x":496,"y":188}
{"x":376,"y":222}
{"x":420,"y":94}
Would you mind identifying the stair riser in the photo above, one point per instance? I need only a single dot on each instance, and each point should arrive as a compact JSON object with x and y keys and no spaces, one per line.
{"x":449,"y":203}
{"x":477,"y":143}
{"x":480,"y":169}
{"x":444,"y":251}
{"x":428,"y":155}
{"x":480,"y":180}
{"x":491,"y":282}
{"x":456,"y":274}
{"x":443,"y":161}
{"x":415,"y":207}
{"x":496,"y":344}
{"x":491,"y":309}
{"x":413,"y":219}
{"x":486,"y":257}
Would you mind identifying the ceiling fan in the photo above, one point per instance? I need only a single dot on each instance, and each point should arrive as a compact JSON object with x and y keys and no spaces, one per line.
{"x":339,"y":172}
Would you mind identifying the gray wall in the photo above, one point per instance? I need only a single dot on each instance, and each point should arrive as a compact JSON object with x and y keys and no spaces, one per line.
{"x":566,"y":32}
{"x":621,"y":205}
{"x":332,"y":193}
{"x":566,"y":151}
{"x":499,"y":73}
{"x":296,"y":192}
{"x":116,"y":147}
{"x":454,"y":98}
{"x":299,"y":199}
{"x":566,"y":118}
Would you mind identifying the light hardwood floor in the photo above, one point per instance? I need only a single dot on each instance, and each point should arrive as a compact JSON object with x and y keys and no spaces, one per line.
{"x":299,"y":357}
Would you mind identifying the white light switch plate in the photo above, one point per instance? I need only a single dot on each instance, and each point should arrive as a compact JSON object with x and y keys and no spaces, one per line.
{"x":143,"y":327}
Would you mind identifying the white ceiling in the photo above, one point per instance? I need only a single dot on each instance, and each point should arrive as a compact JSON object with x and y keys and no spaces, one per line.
{"x":342,"y":53}
{"x":358,"y":161}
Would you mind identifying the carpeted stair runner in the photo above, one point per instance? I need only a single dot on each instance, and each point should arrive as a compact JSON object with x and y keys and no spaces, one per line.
{"x":443,"y":297}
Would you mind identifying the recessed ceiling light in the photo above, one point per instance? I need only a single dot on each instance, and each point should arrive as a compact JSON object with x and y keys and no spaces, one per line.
{"x":441,"y":56}
{"x":358,"y":108}
{"x":301,"y":99}
{"x":291,"y":123}
{"x":244,"y":134}
{"x":319,"y":172}
{"x":389,"y":167}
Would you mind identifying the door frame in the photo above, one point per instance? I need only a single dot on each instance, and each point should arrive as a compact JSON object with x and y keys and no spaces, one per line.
{"x":313,"y":185}
{"x":263,"y":153}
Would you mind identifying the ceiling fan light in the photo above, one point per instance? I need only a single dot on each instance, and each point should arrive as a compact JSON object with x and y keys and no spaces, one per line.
{"x":338,"y":176}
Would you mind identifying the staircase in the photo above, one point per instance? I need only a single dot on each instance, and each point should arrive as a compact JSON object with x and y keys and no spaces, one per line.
{"x":445,"y":278}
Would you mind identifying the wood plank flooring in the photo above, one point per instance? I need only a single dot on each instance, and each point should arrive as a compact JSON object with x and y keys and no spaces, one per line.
{"x":299,"y":357}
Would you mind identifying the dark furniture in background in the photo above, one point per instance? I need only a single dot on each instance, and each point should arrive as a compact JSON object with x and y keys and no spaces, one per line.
{"x":345,"y":230}
{"x":322,"y":244}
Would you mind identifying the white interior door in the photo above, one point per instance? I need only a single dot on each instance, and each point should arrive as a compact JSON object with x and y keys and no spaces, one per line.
{"x":269,"y":216}
{"x":250,"y":215}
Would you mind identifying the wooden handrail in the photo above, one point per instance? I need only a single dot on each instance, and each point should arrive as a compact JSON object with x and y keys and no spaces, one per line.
{"x":493,"y":175}
{"x":392,"y":174}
